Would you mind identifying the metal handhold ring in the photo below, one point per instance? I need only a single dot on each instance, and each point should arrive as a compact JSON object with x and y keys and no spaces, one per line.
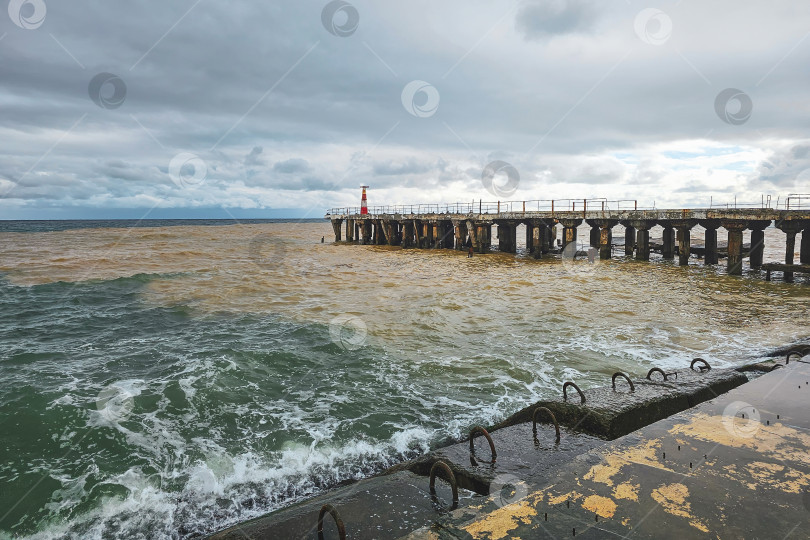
{"x":553,"y":419}
{"x":334,"y":513}
{"x":620,"y":374}
{"x":565,"y":388}
{"x":451,"y":478}
{"x":692,"y":365}
{"x":794,"y":352}
{"x":485,"y":433}
{"x":655,"y":370}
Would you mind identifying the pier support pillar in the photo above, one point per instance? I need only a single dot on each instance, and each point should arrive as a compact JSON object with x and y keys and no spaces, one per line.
{"x":549,"y":235}
{"x":507,"y":236}
{"x":605,"y":236}
{"x":392,"y":233}
{"x":756,"y":255}
{"x":530,"y":238}
{"x":804,"y":253}
{"x":436,"y":232}
{"x":472,"y":233}
{"x":684,"y":245}
{"x":427,"y":235}
{"x":569,"y":231}
{"x":484,"y":232}
{"x":668,"y":250}
{"x":336,"y":223}
{"x":407,"y":234}
{"x":735,"y":240}
{"x":365,"y":230}
{"x":350,"y":230}
{"x":629,"y":239}
{"x":595,"y":236}
{"x":460,"y":231}
{"x":684,"y":236}
{"x":790,"y":228}
{"x":711,"y":226}
{"x":643,"y":227}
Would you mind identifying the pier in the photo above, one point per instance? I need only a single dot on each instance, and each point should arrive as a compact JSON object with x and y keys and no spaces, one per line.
{"x":460,"y":226}
{"x":689,"y":453}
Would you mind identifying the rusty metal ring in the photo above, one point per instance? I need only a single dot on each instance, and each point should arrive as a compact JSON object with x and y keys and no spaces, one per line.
{"x":656,"y":370}
{"x":565,"y":393}
{"x":692,"y":365}
{"x":553,"y":419}
{"x":485,"y":433}
{"x":794,"y":352}
{"x":334,"y":513}
{"x":775,"y":366}
{"x":451,"y":478}
{"x":620,"y":374}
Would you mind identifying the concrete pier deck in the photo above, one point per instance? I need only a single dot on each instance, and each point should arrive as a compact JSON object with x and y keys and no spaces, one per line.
{"x":737,"y":466}
{"x":687,"y":472}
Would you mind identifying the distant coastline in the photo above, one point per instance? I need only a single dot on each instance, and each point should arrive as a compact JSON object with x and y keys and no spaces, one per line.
{"x":53,"y":225}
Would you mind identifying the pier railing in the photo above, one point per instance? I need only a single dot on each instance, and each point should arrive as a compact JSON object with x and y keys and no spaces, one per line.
{"x":497,"y":207}
{"x":797,"y":201}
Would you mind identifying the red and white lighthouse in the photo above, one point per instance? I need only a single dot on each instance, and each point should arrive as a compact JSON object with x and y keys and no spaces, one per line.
{"x":364,"y":202}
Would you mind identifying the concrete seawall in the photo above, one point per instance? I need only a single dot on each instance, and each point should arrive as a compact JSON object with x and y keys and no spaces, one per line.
{"x":527,"y":460}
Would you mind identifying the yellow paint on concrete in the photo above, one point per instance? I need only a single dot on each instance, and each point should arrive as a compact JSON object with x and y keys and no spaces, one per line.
{"x":603,"y":473}
{"x":498,"y":523}
{"x":558,"y":499}
{"x":627,"y":491}
{"x":601,"y":506}
{"x":780,"y":442}
{"x":673,"y":499}
{"x":760,"y":474}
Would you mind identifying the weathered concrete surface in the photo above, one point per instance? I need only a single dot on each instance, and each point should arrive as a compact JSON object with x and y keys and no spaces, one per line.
{"x":379,"y":507}
{"x":735,"y":467}
{"x":610,"y":413}
{"x":519,"y":455}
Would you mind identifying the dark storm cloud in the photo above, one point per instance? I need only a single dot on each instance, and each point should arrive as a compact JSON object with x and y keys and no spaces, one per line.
{"x":538,"y":19}
{"x":271,"y":102}
{"x":292,"y":166}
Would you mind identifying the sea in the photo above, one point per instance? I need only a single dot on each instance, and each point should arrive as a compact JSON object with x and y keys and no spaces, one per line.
{"x":166,"y":379}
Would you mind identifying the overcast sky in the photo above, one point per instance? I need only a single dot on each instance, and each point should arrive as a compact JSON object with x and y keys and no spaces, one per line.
{"x":267,"y":109}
